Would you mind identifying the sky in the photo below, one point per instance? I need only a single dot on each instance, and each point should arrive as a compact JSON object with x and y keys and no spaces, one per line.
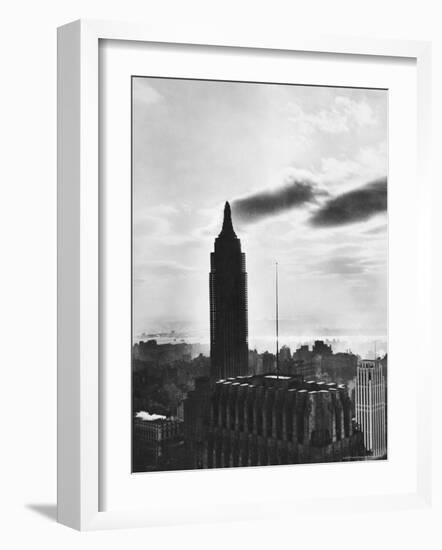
{"x":305,"y":170}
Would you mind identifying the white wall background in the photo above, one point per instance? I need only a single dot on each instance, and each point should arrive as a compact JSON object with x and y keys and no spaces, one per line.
{"x":28,"y":275}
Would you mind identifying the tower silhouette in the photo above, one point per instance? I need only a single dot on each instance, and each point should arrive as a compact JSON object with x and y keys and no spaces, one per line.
{"x":228,"y":304}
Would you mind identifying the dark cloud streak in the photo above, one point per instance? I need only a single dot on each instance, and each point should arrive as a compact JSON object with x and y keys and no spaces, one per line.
{"x":269,"y":203}
{"x":354,"y":206}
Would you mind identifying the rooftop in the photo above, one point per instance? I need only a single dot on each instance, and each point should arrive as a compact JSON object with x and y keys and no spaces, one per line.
{"x":283,"y":381}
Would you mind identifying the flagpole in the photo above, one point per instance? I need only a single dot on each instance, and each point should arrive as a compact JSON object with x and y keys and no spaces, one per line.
{"x":277,"y":320}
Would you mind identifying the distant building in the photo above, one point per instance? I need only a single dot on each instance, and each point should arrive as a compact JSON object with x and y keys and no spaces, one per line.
{"x":271,"y":419}
{"x":321,"y":348}
{"x":285,"y":361}
{"x":339,"y":367}
{"x":259,"y":365}
{"x":228,"y":304}
{"x":268,"y":362}
{"x":253,"y":361}
{"x":285,"y":354}
{"x":370,"y":406}
{"x":161,"y":354}
{"x":303,"y":353}
{"x":180,"y":411}
{"x":306,"y":369}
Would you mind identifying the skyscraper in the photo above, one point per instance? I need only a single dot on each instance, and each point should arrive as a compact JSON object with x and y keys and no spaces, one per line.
{"x":370,"y":406}
{"x":228,"y":304}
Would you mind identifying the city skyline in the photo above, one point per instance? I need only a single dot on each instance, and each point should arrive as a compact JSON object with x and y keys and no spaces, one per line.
{"x":299,"y":176}
{"x":315,"y":201}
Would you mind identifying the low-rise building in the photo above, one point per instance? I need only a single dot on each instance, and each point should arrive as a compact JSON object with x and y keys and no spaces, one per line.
{"x":157,"y":444}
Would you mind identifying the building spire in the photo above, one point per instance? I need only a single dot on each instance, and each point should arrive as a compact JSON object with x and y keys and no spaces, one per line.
{"x":227,"y":230}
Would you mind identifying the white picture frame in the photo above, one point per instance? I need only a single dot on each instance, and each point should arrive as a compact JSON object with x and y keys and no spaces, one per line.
{"x":79,"y":260}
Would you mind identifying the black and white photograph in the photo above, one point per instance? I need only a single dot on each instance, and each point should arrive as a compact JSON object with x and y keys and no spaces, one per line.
{"x":221,"y":275}
{"x":259,"y":274}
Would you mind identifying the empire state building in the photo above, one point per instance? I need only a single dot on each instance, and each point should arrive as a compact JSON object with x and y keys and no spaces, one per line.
{"x":228,"y":304}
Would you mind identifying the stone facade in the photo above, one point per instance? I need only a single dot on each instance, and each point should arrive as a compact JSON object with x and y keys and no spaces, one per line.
{"x":371,"y":406}
{"x":157,"y":444}
{"x":269,"y":419}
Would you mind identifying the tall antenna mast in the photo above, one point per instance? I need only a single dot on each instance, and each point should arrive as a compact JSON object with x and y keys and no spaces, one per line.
{"x":277,"y":320}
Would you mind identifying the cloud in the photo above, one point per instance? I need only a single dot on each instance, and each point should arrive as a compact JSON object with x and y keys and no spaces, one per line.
{"x":351,"y":267}
{"x":160,"y":268}
{"x":368,"y":164}
{"x":343,"y":115}
{"x":144,"y":93}
{"x":342,"y":265}
{"x":328,"y":121}
{"x":296,"y":192}
{"x":160,"y":225}
{"x":354,"y":206}
{"x":359,"y":112}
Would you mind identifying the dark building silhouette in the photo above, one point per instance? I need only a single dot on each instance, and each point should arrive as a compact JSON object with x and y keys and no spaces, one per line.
{"x":196,"y":420}
{"x":321,"y":348}
{"x":158,"y":445}
{"x":268,"y":362}
{"x":303,"y":353}
{"x":237,"y":418}
{"x":270,"y":419}
{"x":308,"y":370}
{"x":228,"y":304}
